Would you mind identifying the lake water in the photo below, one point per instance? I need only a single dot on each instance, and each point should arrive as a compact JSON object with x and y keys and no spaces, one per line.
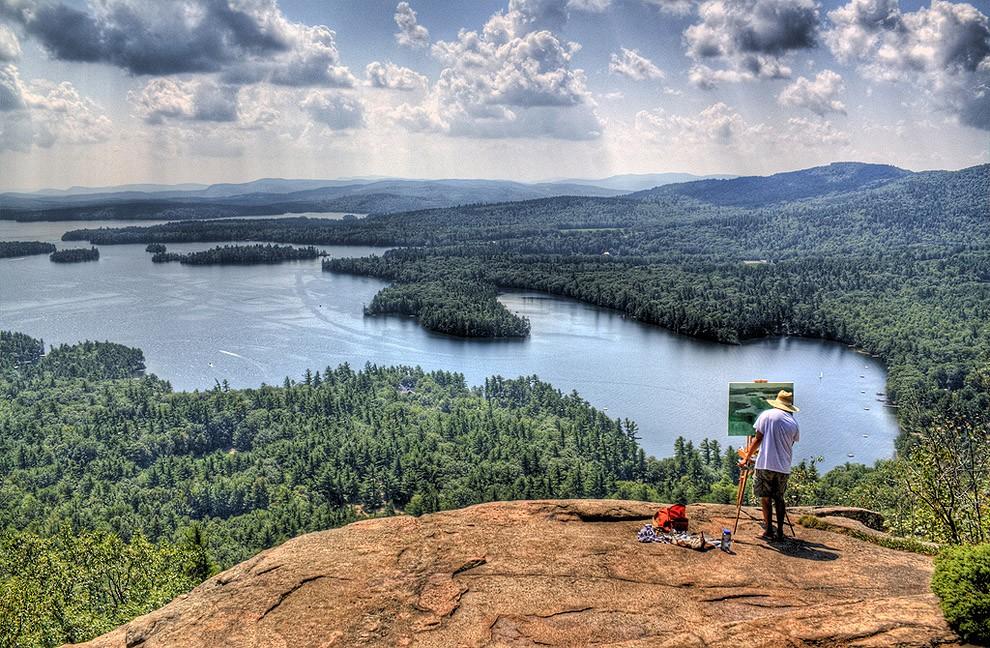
{"x":254,"y":324}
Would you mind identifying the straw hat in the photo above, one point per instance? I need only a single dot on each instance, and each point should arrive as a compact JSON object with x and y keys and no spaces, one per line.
{"x":784,"y":401}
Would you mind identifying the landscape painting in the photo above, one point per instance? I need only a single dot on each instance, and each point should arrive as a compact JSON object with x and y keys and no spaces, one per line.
{"x":747,"y":400}
{"x":361,"y":323}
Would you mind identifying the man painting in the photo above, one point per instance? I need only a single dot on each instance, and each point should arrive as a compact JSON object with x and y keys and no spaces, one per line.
{"x":776,"y":434}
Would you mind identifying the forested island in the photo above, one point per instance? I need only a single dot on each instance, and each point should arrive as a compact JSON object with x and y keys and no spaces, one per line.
{"x":108,"y":469}
{"x":155,"y":248}
{"x":237,"y":255}
{"x":452,"y":307}
{"x":10,"y":249}
{"x":75,"y":255}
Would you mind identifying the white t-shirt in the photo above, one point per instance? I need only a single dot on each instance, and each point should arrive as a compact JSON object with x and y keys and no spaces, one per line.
{"x":780,"y":433}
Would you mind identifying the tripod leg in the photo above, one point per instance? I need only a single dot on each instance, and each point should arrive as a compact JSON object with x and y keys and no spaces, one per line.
{"x":740,"y":495}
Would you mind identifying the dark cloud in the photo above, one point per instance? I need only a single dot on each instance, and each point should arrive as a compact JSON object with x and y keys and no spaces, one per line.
{"x":151,"y":41}
{"x":249,"y":41}
{"x":778,"y":27}
{"x":748,"y":39}
{"x":943,"y":49}
{"x":66,"y":33}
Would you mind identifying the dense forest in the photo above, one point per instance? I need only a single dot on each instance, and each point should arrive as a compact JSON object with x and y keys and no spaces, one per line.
{"x":111,"y":478}
{"x":66,"y":586}
{"x":75,"y":255}
{"x":24,"y":248}
{"x":238,"y":255}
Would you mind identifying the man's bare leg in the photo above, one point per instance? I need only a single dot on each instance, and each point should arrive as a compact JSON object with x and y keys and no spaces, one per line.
{"x":781,"y":507}
{"x":766,"y":504}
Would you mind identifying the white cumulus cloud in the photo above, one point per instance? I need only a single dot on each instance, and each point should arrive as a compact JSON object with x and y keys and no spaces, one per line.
{"x":633,"y":65}
{"x":676,"y":7}
{"x":719,"y":130}
{"x":10,"y":47}
{"x":508,"y":80}
{"x":334,"y":110}
{"x":411,"y":33}
{"x":42,"y":113}
{"x":717,"y":123}
{"x":393,"y":77}
{"x":202,"y":100}
{"x":820,"y":95}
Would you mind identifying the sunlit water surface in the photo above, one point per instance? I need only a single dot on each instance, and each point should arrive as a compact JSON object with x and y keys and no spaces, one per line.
{"x":255,"y":324}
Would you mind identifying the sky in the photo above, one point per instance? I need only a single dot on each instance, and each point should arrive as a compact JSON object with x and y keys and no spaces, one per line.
{"x":107,"y":92}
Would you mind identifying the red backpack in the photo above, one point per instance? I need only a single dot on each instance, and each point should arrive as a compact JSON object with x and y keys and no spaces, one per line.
{"x":672,"y":518}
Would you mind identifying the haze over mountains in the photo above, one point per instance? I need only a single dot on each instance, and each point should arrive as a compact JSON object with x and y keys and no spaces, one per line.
{"x":369,"y":195}
{"x":641,"y":181}
{"x":277,"y":195}
{"x":622,"y":183}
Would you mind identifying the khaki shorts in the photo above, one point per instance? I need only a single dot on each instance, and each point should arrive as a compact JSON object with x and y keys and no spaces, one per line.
{"x":770,"y":483}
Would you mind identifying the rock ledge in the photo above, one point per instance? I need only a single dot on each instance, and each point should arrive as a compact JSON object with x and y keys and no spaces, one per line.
{"x":552,"y":573}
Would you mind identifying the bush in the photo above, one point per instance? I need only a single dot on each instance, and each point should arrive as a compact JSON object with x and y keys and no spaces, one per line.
{"x":962,"y":583}
{"x":876,"y":537}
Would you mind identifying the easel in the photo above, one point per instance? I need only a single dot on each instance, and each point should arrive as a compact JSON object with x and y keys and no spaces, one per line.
{"x":744,"y":470}
{"x":741,"y":491}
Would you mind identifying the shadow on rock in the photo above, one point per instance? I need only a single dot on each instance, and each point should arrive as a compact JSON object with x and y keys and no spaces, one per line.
{"x":797,"y":548}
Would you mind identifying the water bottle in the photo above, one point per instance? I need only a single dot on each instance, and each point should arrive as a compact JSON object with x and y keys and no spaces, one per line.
{"x":726,"y":540}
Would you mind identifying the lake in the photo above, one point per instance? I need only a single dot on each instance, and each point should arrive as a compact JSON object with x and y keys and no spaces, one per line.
{"x":248,"y":325}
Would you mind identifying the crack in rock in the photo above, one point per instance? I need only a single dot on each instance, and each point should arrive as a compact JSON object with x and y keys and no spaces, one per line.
{"x":471,"y":564}
{"x":267,"y":569}
{"x":286,"y":594}
{"x":729,"y":597}
{"x":561,"y":612}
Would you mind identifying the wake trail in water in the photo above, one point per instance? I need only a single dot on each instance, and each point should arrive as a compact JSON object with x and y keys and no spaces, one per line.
{"x":260,"y":366}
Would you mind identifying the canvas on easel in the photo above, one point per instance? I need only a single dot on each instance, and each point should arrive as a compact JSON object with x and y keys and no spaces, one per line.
{"x":747,"y":400}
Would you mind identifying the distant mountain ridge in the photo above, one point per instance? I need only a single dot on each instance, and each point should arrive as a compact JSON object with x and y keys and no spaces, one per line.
{"x":621,"y":183}
{"x":643,"y":181}
{"x":753,"y":191}
{"x":277,"y":196}
{"x":370,"y":195}
{"x":395,"y":194}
